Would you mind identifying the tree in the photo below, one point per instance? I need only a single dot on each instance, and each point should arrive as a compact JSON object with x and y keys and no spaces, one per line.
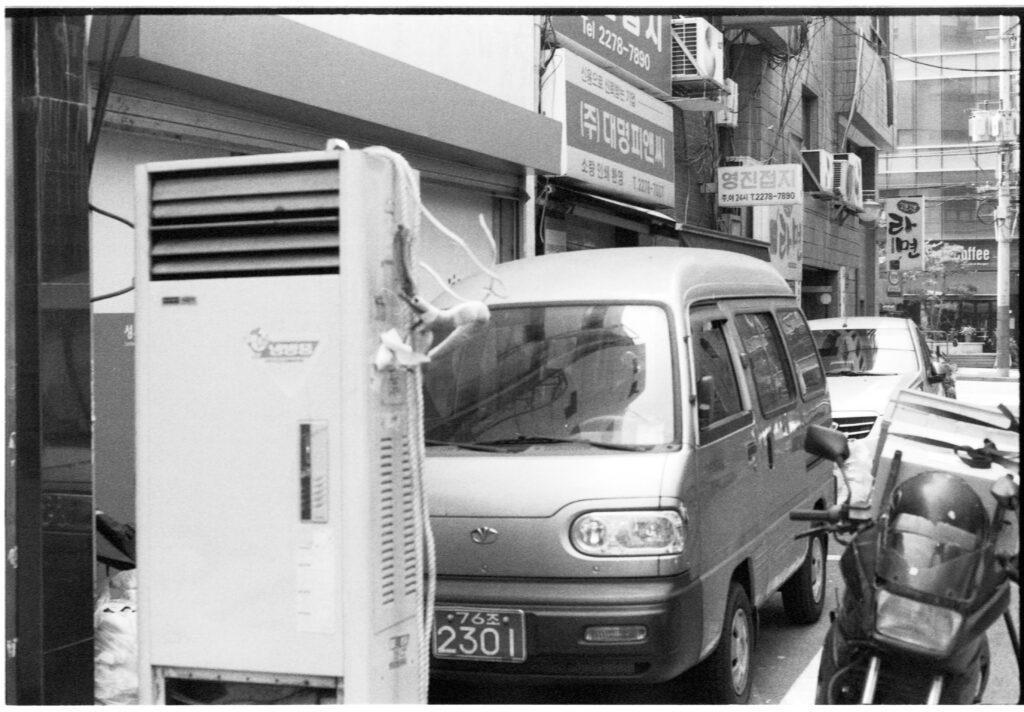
{"x":932,"y":285}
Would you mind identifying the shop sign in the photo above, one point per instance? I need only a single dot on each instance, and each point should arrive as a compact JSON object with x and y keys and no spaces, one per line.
{"x":741,"y":186}
{"x":782,"y":227}
{"x":905,"y":235}
{"x":976,"y":254}
{"x":894,"y":283}
{"x":618,"y":140}
{"x":637,"y":48}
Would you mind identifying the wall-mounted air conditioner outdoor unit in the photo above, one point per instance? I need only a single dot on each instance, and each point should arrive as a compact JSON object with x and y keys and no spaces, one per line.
{"x":819,"y":167}
{"x":729,"y":116}
{"x":993,"y":125}
{"x":696,"y":51}
{"x":847,"y":179}
{"x":980,"y":126}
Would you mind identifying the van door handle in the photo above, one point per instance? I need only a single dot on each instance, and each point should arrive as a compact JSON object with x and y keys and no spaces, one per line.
{"x":752,"y":452}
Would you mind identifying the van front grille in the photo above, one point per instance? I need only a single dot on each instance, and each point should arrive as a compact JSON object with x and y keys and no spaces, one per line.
{"x":855,"y":427}
{"x":243,"y":221}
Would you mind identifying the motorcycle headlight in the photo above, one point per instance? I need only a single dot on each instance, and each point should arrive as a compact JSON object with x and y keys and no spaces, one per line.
{"x":931,"y":628}
{"x":640,"y":533}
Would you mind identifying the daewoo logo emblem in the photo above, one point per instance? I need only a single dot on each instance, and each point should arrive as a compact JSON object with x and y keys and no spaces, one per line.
{"x":484,"y":535}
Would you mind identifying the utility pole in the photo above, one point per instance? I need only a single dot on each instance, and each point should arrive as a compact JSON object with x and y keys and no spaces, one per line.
{"x":1002,"y":222}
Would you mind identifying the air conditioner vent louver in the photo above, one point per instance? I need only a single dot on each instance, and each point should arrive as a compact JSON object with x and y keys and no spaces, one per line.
{"x":696,"y":51}
{"x":396,"y":523}
{"x":239,"y":223}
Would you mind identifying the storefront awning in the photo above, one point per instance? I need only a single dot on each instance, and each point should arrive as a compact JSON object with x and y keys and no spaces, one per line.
{"x":633,"y":212}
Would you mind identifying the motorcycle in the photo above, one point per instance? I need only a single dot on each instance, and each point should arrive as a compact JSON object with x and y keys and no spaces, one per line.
{"x":926,"y":574}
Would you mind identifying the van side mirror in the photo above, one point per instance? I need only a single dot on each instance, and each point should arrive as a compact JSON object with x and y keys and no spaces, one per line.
{"x":705,"y":394}
{"x":827,"y":443}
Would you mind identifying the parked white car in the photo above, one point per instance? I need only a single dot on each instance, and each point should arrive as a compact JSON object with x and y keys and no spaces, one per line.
{"x":867,"y":360}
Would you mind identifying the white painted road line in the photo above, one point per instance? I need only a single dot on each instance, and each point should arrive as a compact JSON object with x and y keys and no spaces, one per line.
{"x":803,"y":690}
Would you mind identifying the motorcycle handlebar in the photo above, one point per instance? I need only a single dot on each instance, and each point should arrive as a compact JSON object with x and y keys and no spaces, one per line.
{"x":832,"y":514}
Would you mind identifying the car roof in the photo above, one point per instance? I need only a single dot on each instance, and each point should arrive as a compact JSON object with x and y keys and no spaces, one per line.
{"x":658,"y":274}
{"x":859,"y":322}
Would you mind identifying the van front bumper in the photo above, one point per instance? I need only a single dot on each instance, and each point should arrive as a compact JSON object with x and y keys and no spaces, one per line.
{"x":558,"y":612}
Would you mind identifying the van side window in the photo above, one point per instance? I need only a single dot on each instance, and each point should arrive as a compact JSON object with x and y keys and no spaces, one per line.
{"x":798,"y":337}
{"x":719,"y":397}
{"x":763,"y":344}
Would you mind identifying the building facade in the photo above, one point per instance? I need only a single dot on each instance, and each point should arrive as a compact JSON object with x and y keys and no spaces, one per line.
{"x":946,"y":68}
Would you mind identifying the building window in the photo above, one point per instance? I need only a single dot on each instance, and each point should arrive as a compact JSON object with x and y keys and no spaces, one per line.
{"x":811,"y":129}
{"x":937,"y":109}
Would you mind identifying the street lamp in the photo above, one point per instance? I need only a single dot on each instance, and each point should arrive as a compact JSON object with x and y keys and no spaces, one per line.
{"x":871,"y":213}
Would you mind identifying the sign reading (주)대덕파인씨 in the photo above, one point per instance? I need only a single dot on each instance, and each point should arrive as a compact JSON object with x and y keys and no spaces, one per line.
{"x":618,"y":139}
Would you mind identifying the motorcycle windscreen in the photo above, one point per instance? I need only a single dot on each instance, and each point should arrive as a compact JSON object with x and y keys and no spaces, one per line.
{"x":934,"y":558}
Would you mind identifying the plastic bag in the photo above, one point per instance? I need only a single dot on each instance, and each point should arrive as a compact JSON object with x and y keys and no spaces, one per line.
{"x":858,"y":469}
{"x":117,"y":641}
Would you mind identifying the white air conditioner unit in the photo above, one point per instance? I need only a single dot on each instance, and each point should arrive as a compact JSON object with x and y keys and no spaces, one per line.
{"x":848,"y":180}
{"x":819,"y":167}
{"x":980,"y":126}
{"x":729,"y":116}
{"x":267,"y":441}
{"x":696,"y":51}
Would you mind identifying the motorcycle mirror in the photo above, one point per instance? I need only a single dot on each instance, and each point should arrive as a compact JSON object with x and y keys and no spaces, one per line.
{"x":1005,"y":490}
{"x":827,"y":443}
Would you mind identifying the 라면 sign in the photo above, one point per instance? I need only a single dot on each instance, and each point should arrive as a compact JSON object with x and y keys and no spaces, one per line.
{"x":741,"y":186}
{"x":904,"y":221}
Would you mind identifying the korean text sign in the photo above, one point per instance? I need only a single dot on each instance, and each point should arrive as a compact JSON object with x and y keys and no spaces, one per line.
{"x":782,"y":227}
{"x":638,"y":45}
{"x":740,"y":186}
{"x":904,"y":233}
{"x":618,"y":139}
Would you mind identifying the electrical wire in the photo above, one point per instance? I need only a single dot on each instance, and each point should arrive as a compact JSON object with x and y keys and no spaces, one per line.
{"x":112,"y":216}
{"x":110,"y":295}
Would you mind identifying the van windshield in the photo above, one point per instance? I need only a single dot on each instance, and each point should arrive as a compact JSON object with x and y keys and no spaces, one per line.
{"x":598,"y":373}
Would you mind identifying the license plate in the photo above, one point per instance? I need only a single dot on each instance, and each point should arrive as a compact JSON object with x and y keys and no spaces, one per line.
{"x":495,"y":634}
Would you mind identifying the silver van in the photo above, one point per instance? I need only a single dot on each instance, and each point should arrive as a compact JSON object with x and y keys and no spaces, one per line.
{"x":611,"y":463}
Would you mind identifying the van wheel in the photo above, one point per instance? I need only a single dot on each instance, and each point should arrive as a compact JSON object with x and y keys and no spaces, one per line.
{"x":729,"y":668}
{"x":803,"y":595}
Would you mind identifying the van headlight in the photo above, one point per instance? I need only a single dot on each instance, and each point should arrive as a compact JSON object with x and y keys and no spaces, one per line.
{"x":922,"y":625}
{"x":639,"y":533}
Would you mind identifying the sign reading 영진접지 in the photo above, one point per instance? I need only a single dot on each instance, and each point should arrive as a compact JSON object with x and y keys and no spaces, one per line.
{"x":638,"y":46}
{"x":740,"y":186}
{"x":618,"y":139}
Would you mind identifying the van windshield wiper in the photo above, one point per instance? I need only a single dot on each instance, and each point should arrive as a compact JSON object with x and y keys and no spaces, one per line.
{"x":851,"y":372}
{"x":546,"y":440}
{"x":482,"y":447}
